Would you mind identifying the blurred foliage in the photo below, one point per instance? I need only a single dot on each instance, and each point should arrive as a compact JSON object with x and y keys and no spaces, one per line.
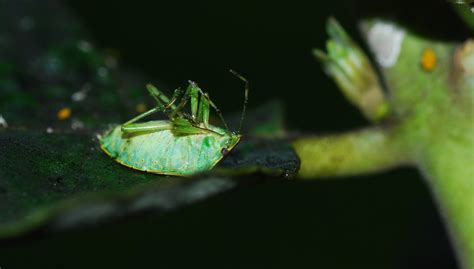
{"x":46,"y":57}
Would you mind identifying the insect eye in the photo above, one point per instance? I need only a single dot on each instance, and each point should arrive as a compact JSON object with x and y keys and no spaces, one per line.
{"x":224,"y":151}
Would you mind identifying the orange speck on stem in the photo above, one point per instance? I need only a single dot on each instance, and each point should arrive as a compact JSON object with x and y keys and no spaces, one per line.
{"x":64,"y":113}
{"x":428,"y":59}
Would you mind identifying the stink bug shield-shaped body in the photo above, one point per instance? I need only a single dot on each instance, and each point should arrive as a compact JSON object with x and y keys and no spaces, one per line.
{"x":182,"y":145}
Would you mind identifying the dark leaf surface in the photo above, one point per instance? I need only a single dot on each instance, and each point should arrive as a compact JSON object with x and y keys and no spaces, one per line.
{"x":62,"y":180}
{"x":53,"y":176}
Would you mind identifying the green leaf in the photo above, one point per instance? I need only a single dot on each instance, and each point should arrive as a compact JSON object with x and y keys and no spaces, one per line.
{"x":58,"y":181}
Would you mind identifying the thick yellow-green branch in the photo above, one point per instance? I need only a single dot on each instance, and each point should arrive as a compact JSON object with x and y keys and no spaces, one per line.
{"x":357,"y":152}
{"x":430,"y":97}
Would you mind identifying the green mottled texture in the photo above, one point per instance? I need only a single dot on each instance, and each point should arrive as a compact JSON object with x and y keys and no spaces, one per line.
{"x":430,"y":126}
{"x":163,"y":152}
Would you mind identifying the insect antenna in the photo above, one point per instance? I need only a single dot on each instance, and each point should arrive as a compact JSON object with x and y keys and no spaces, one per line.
{"x":246,"y":97}
{"x":218,"y":111}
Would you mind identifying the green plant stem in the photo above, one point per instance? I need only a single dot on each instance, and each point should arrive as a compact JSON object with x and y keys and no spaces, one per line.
{"x":430,"y":95}
{"x":448,"y":166}
{"x":358,"y":152}
{"x":449,"y":171}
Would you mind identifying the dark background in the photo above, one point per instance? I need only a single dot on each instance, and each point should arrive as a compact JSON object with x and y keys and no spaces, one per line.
{"x":380,"y":221}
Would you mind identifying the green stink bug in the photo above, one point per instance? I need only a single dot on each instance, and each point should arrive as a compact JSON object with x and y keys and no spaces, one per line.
{"x":183,"y":145}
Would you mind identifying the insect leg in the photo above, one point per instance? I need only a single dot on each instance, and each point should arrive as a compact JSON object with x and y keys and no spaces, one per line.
{"x":218,"y":111}
{"x":190,"y":91}
{"x":185,"y":127}
{"x":149,"y":112}
{"x":150,"y":126}
{"x":175,"y":97}
{"x":203,"y":110}
{"x":161,"y":99}
{"x":194,"y":97}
